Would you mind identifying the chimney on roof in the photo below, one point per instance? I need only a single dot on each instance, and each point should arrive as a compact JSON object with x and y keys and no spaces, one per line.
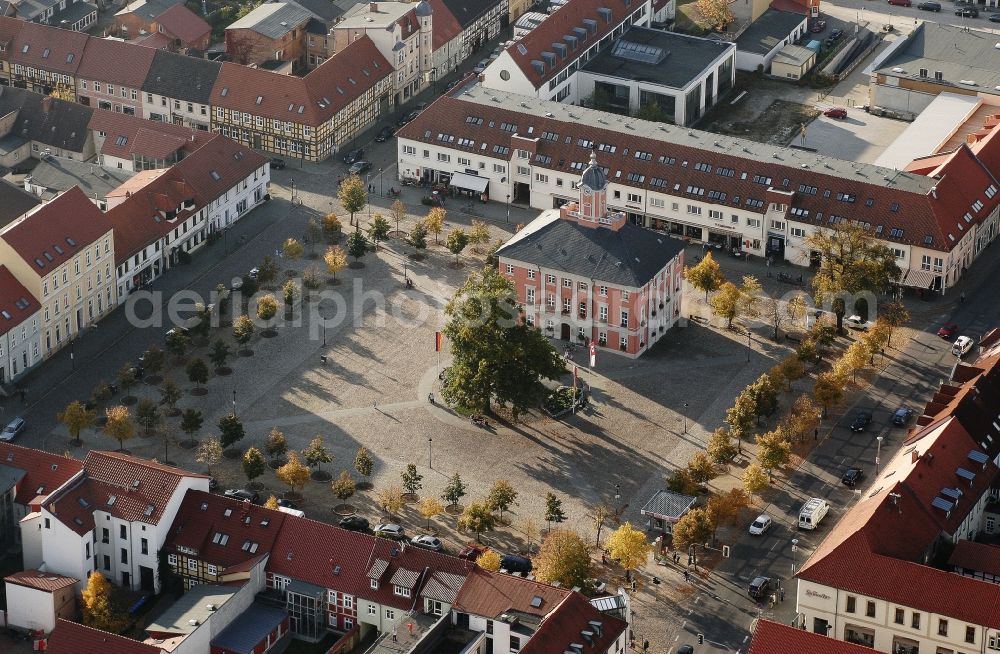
{"x":46,"y":104}
{"x":914,"y":456}
{"x":374,"y":7}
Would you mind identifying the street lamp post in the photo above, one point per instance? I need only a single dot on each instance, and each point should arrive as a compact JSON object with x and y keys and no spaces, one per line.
{"x":434,"y":80}
{"x":685,"y":418}
{"x":234,"y":402}
{"x":878,"y":453}
{"x":618,"y":492}
{"x":380,"y":181}
{"x":430,"y":452}
{"x":749,"y":343}
{"x":508,"y":207}
{"x":795,"y":548}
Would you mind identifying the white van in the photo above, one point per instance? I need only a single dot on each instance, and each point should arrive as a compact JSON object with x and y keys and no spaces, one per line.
{"x":291,"y":511}
{"x":812,"y":512}
{"x":962,"y":346}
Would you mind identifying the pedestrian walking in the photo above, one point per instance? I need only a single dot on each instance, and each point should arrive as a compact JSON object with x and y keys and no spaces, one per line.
{"x":816,"y":434}
{"x":782,"y":591}
{"x":394,"y":633}
{"x":633,"y":585}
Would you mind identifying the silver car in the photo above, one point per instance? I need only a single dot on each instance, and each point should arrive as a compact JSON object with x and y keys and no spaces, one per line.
{"x":427,"y":542}
{"x":760,"y":525}
{"x":12,"y":430}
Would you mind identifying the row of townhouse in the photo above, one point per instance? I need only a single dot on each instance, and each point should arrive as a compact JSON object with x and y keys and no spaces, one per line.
{"x":309,"y":117}
{"x":702,"y":187}
{"x":117,"y":514}
{"x":886,"y":576}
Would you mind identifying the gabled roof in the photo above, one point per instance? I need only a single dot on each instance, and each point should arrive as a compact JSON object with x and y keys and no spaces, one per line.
{"x":273,"y":20}
{"x":56,"y":232}
{"x":182,"y":23}
{"x":45,"y":119}
{"x":17,"y":304}
{"x":445,"y":26}
{"x":148,"y":9}
{"x":129,"y":136}
{"x":775,"y":638}
{"x":115,"y":61}
{"x":325,"y":10}
{"x":567,"y":624}
{"x":971,"y":556}
{"x":9,"y":28}
{"x":489,"y":594}
{"x":467,"y":12}
{"x":44,"y":472}
{"x":58,"y":174}
{"x":49,"y":48}
{"x":217,"y":166}
{"x":629,"y":256}
{"x":14,"y":202}
{"x":44,"y":581}
{"x":203,"y":526}
{"x":72,"y":638}
{"x":141,"y":220}
{"x":181,"y":77}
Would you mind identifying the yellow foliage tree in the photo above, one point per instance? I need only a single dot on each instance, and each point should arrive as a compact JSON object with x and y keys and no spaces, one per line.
{"x":390,"y":499}
{"x":272,"y":502}
{"x":628,"y":546}
{"x":294,"y":473}
{"x":434,"y":222}
{"x":489,"y":560}
{"x":430,"y":507}
{"x":563,"y":557}
{"x":96,"y":605}
{"x":715,"y":14}
{"x":336,"y":260}
{"x":706,"y":275}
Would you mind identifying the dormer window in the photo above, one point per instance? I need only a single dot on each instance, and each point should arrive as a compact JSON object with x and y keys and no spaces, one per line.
{"x":401,"y":591}
{"x":374,"y":584}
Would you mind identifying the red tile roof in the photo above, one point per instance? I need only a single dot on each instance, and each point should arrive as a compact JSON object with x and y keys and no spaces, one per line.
{"x":918,"y":214}
{"x":9,"y":29}
{"x":124,"y":486}
{"x":566,"y":624}
{"x":335,"y":558}
{"x":72,"y":638}
{"x":183,"y":24}
{"x":115,"y":61}
{"x":774,"y":638}
{"x":488,"y":594}
{"x":154,"y":41}
{"x":49,"y":48}
{"x":128,"y":136}
{"x":45,"y":472}
{"x":890,"y":532}
{"x":976,"y":557}
{"x":45,"y":581}
{"x":217,"y":166}
{"x":71,"y":222}
{"x":138,"y":220}
{"x":17,"y":304}
{"x":445,"y":26}
{"x":202,"y":515}
{"x":310,"y":100}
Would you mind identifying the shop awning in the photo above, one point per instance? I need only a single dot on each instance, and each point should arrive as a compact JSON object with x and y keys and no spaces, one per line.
{"x":469,"y":182}
{"x":918,"y":279}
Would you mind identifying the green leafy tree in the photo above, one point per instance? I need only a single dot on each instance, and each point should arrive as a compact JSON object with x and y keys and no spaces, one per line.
{"x":243,"y":330}
{"x":266,"y":272}
{"x":231,"y":430}
{"x":191,"y":422}
{"x":701,"y":468}
{"x":726,"y":303}
{"x":495,"y":355}
{"x":720,"y":446}
{"x":152,"y":360}
{"x":694,"y":528}
{"x":754,"y":479}
{"x":456,"y":241}
{"x":178,"y":343}
{"x":705,"y":276}
{"x":290,"y":292}
{"x":356,"y":245}
{"x":343,"y":487}
{"x":197,"y":372}
{"x":379,"y":230}
{"x":418,"y":238}
{"x":479,"y":235}
{"x":501,"y":496}
{"x":553,"y":510}
{"x":434,"y":222}
{"x":851,"y":261}
{"x":220,"y":354}
{"x":353,"y":196}
{"x":126,"y":377}
{"x":764,"y":394}
{"x":454,"y":491}
{"x":895,"y":315}
{"x":773,"y":450}
{"x":563,"y":558}
{"x":209,"y":451}
{"x":363,"y":463}
{"x":477,"y":518}
{"x":119,"y":424}
{"x":76,"y":417}
{"x":412,"y":479}
{"x":316,"y":453}
{"x":253,"y":463}
{"x":681,"y":481}
{"x":276,"y":445}
{"x":653,"y":112}
{"x":314,"y":233}
{"x":741,"y":418}
{"x":398,"y":210}
{"x":292,"y":249}
{"x":147,"y":414}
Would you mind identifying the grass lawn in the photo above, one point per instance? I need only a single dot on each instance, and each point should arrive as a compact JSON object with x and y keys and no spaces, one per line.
{"x":302,"y":647}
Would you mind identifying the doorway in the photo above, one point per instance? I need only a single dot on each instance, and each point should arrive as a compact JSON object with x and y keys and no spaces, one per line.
{"x":146,"y":578}
{"x":564,"y":332}
{"x":126,"y":580}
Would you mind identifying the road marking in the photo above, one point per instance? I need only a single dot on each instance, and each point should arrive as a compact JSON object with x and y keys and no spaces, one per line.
{"x":684,"y":624}
{"x":746,"y":638}
{"x":697,"y":599}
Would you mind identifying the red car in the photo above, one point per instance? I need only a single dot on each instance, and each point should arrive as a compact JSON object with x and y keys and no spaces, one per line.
{"x":818,"y":26}
{"x":948,"y":330}
{"x":471,"y":552}
{"x":836,"y":112}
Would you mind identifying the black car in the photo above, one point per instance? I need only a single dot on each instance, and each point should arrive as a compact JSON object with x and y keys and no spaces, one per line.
{"x":288,"y":505}
{"x":408,"y":117}
{"x":359,"y":167}
{"x":243,"y":495}
{"x":967,"y":12}
{"x":354,"y":155}
{"x":384,"y":134}
{"x":861,"y":421}
{"x":354,"y":523}
{"x":277,"y":163}
{"x":760,"y":587}
{"x":901,"y":416}
{"x":852,"y":477}
{"x":834,"y":37}
{"x":929,"y":6}
{"x":994,"y":18}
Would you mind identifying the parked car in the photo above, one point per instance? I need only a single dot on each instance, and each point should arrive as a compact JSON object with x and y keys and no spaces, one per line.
{"x":948,"y":330}
{"x":902,"y":415}
{"x":471,"y":552}
{"x":421,"y":106}
{"x":834,"y":35}
{"x":685,"y":649}
{"x":929,"y":6}
{"x":760,"y":587}
{"x":408,"y":117}
{"x":12,"y":430}
{"x":390,"y":530}
{"x":856,"y":323}
{"x":962,"y":346}
{"x":514,"y":563}
{"x":385,"y":134}
{"x":817,"y":26}
{"x":481,"y":66}
{"x":861,"y":421}
{"x":354,"y":523}
{"x":994,"y":18}
{"x":852,"y":476}
{"x":761,"y":524}
{"x":901,"y":3}
{"x":836,"y":112}
{"x":427,"y":542}
{"x":359,"y":167}
{"x":287,"y":504}
{"x":967,"y":12}
{"x":354,"y":155}
{"x":243,"y":495}
{"x":254,"y":273}
{"x":277,"y":163}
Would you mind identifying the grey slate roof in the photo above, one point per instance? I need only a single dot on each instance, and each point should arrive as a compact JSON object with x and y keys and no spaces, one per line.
{"x":14,"y":203}
{"x":30,"y":10}
{"x":768,"y":30}
{"x":686,"y":58}
{"x":64,"y":125}
{"x":947,"y":49}
{"x":60,"y":174}
{"x":273,"y":20}
{"x":178,"y":76}
{"x":322,"y":9}
{"x":149,"y":9}
{"x":72,"y":13}
{"x":249,"y":629}
{"x":669,"y":504}
{"x":466,"y":12}
{"x":627,"y":257}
